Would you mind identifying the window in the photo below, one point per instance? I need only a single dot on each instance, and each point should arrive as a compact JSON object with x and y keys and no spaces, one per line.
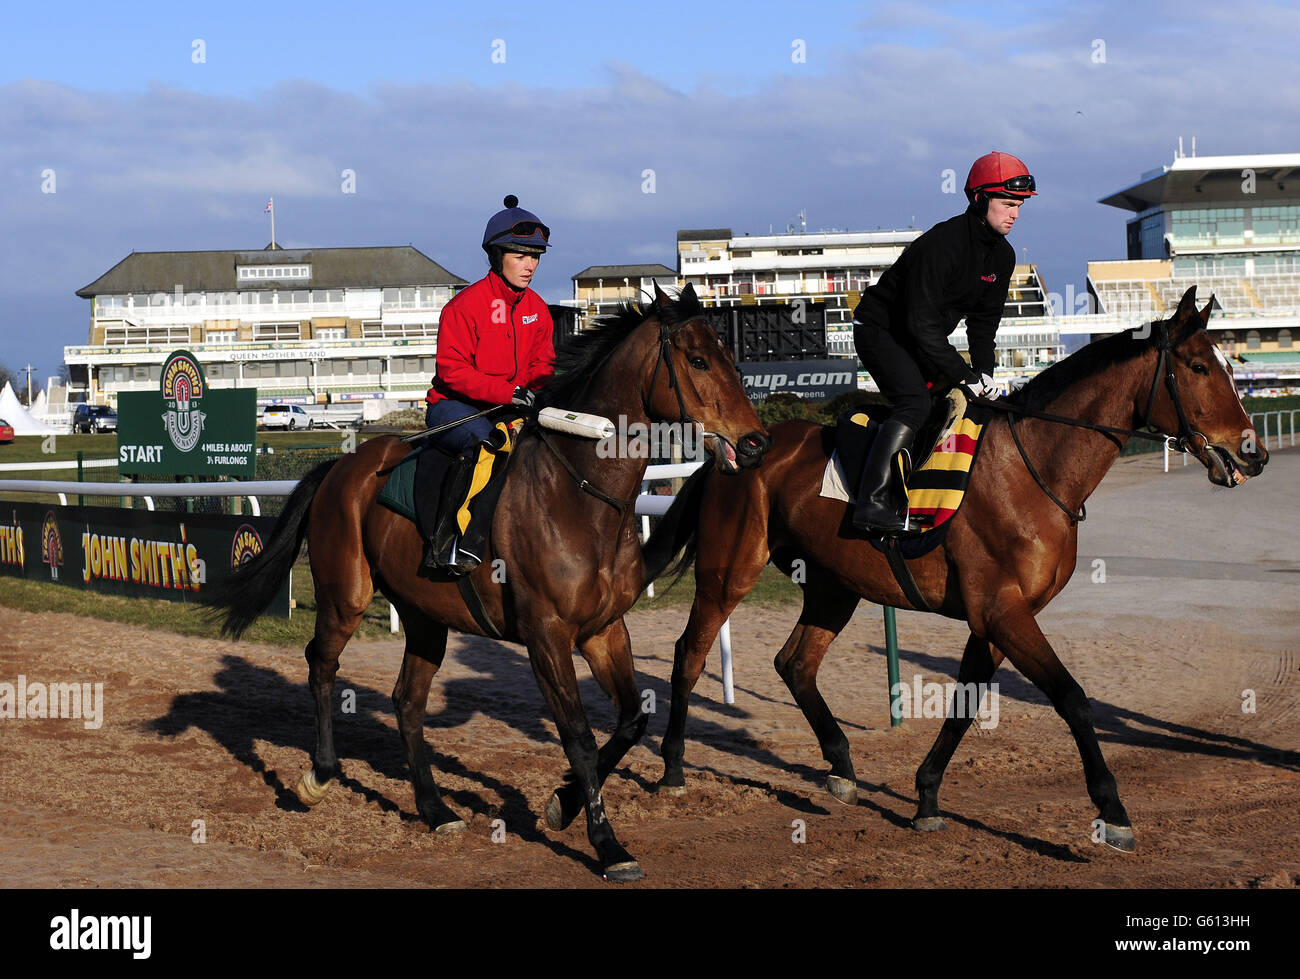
{"x":1284,"y":339}
{"x":331,"y":333}
{"x":122,"y":335}
{"x":277,"y":331}
{"x":378,"y":330}
{"x":1252,"y":340}
{"x":219,"y":336}
{"x":255,"y":272}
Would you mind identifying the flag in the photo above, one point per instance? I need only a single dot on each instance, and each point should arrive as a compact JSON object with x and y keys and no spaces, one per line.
{"x":270,"y":204}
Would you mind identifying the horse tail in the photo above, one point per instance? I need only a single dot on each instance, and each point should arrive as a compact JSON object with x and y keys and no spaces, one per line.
{"x":246,"y":593}
{"x":672,"y":547}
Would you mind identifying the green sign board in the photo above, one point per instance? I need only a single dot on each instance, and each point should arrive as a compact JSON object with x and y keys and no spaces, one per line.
{"x":140,"y":553}
{"x":186,"y":429}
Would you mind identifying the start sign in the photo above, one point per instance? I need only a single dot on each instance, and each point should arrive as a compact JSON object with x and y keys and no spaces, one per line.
{"x":186,"y":429}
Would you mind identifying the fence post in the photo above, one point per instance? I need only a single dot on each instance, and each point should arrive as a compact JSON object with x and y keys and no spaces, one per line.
{"x":728,"y":686}
{"x":891,"y":655}
{"x":81,"y":478}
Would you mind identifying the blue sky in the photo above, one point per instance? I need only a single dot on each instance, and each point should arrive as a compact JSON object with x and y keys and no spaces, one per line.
{"x":158,"y":142}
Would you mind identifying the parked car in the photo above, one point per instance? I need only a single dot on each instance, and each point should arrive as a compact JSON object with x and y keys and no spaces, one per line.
{"x":94,"y":419}
{"x":6,"y":431}
{"x":286,"y":416}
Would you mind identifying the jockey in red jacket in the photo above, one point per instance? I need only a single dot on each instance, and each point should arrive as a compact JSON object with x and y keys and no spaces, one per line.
{"x":494,"y":338}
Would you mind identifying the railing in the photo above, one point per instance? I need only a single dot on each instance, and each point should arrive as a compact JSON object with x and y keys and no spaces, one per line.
{"x":1268,"y":414}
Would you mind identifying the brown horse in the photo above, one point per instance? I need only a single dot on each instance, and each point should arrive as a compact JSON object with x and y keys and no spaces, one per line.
{"x":1010,"y":548}
{"x":564,"y":534}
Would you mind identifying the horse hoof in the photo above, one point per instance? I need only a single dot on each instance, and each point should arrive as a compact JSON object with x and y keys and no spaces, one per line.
{"x":929,"y":824}
{"x":842,"y":789}
{"x":555,"y":812}
{"x":667,"y":788}
{"x":451,"y":826}
{"x":1120,"y":838}
{"x":624,"y":873}
{"x":310,"y":791}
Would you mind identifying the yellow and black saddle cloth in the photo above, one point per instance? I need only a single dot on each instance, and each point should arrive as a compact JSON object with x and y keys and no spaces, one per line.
{"x":936,"y":485}
{"x":452,"y":498}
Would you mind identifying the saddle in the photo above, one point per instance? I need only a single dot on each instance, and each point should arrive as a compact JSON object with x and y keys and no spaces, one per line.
{"x":935,"y":483}
{"x":452,"y":498}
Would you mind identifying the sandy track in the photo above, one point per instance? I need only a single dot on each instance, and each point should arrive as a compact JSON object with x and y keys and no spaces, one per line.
{"x":1199,"y":604}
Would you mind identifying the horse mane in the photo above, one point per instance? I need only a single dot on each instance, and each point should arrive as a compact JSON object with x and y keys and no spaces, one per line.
{"x":1091,"y":359}
{"x":582,"y":355}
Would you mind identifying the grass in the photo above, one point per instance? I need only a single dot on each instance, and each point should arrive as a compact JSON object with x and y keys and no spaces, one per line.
{"x":187,"y":618}
{"x":191,"y":619}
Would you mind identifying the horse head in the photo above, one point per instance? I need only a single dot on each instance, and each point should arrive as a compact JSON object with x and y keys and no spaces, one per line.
{"x":1198,"y":401}
{"x":695,"y":380}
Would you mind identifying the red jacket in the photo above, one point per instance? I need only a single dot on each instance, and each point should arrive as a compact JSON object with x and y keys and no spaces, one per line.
{"x":492,"y":339}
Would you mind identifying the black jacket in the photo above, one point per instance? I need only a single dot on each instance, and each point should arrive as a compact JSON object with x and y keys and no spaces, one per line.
{"x":959,"y":268}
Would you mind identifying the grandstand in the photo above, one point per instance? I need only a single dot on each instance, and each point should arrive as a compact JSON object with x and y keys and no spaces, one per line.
{"x":1230,"y":225}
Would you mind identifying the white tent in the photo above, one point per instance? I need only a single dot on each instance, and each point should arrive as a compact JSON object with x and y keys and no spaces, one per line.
{"x":12,"y":411}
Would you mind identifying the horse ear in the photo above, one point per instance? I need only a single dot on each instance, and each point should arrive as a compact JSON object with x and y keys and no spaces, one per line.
{"x":1186,"y":305}
{"x":1194,"y":324}
{"x":661,"y":299}
{"x":688,"y":294}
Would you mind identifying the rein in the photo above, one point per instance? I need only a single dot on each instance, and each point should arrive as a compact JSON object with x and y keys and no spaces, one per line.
{"x":1164,"y":369}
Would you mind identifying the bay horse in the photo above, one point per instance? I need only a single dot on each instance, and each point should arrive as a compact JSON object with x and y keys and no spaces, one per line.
{"x":564,"y":534}
{"x":1009,"y":551}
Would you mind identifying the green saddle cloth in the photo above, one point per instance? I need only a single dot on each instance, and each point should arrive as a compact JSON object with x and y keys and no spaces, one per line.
{"x":398,"y":493}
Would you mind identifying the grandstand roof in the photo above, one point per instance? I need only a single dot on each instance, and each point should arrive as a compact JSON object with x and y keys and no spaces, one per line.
{"x":213,"y":271}
{"x":1212,"y":179}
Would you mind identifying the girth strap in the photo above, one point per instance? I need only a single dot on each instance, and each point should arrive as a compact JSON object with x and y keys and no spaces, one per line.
{"x":474,"y":602}
{"x":898,"y":564}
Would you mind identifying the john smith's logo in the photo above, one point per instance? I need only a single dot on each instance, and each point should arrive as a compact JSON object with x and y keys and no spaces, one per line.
{"x":991,"y":277}
{"x":531,"y":319}
{"x":182,"y":391}
{"x":51,"y":545}
{"x":246,"y":546}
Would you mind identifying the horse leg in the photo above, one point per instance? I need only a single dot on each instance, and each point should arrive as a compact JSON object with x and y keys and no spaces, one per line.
{"x":717,"y":593}
{"x":609,"y":654}
{"x":337,"y":617}
{"x":551,"y":656}
{"x":426,"y":644}
{"x":977,"y":665}
{"x":826,"y":611}
{"x":1015,"y":632}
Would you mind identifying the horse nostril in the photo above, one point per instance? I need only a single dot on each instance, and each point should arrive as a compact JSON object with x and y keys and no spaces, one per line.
{"x":754,"y":444}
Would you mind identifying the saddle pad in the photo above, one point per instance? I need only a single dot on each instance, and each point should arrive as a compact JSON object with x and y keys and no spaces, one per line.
{"x":935,"y":489}
{"x":398,"y":494}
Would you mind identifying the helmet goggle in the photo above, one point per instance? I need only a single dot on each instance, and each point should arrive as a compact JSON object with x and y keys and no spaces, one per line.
{"x":1022,"y":184}
{"x":523,"y":229}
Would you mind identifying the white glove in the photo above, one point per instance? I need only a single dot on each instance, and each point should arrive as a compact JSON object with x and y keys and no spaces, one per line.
{"x":984,"y":388}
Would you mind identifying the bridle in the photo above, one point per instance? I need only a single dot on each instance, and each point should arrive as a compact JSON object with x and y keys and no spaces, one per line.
{"x":1164,"y":370}
{"x":664,"y":357}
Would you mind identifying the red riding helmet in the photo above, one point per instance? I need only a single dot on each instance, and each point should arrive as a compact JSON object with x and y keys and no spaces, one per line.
{"x":1001,"y":174}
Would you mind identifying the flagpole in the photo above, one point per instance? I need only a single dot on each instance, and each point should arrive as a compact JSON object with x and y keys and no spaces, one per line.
{"x":272,"y":222}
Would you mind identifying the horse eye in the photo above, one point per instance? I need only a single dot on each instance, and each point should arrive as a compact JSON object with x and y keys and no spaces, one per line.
{"x":699,"y":363}
{"x":1199,"y":368}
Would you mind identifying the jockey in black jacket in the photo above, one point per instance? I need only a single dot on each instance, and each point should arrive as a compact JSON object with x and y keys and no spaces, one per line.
{"x":960,"y":268}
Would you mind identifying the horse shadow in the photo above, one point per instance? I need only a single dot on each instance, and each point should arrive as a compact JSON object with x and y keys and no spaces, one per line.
{"x":1119,"y":725}
{"x":254,"y":703}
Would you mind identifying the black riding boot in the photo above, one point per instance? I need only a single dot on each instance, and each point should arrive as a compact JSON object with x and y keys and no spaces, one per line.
{"x":882,"y":497}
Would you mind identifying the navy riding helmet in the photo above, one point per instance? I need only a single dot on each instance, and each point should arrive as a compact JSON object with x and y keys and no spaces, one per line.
{"x":516,"y":230}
